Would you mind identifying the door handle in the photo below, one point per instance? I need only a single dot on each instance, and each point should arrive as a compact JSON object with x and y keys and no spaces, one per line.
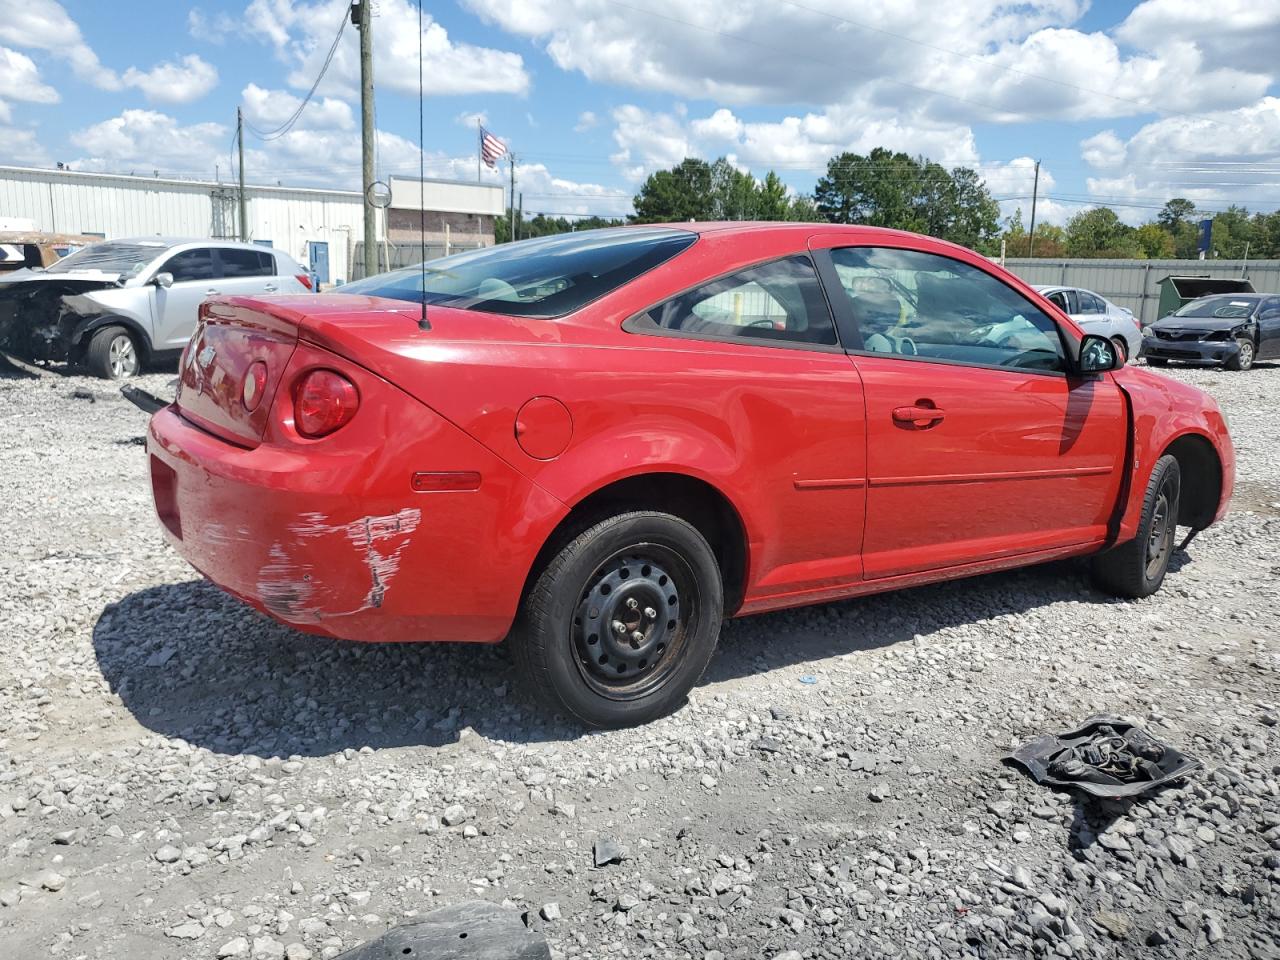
{"x":211,"y":293}
{"x":917,"y":414}
{"x":269,"y":288}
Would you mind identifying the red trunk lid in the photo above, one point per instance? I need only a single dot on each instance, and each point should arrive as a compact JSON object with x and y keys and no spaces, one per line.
{"x":227,"y":341}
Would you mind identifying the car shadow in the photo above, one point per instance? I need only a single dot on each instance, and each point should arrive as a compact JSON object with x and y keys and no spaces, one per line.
{"x":192,"y":662}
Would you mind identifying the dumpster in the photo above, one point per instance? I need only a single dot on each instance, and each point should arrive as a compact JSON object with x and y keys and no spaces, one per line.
{"x":1175,"y":291}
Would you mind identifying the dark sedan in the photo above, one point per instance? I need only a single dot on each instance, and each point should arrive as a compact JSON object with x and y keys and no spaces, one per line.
{"x":1231,"y":330}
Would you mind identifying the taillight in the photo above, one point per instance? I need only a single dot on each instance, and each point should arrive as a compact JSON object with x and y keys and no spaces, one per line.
{"x":304,"y":279}
{"x":255,"y":379}
{"x":323,"y":401}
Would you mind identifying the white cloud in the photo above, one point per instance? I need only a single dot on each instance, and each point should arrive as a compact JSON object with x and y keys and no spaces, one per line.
{"x":20,"y":79}
{"x":20,"y":146}
{"x":964,"y":61}
{"x":170,"y":82}
{"x":587,"y":120}
{"x":649,"y":140}
{"x":303,"y":32}
{"x":269,"y":109}
{"x":1234,"y":33}
{"x":210,"y":29}
{"x":473,"y":118}
{"x":45,"y":25}
{"x":145,"y":140}
{"x":1215,"y":159}
{"x":1013,"y":184}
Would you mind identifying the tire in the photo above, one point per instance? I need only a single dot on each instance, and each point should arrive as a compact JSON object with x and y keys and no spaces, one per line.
{"x":1157,"y":362}
{"x":1136,"y":569}
{"x":651,"y":574}
{"x":1244,"y":359}
{"x":1122,"y":349}
{"x":113,"y":354}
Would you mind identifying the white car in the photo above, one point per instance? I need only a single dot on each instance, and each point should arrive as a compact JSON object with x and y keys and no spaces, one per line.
{"x":1098,"y":315}
{"x":115,"y":305}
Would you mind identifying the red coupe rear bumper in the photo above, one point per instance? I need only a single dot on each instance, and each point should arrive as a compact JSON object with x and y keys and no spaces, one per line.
{"x":336,"y":541}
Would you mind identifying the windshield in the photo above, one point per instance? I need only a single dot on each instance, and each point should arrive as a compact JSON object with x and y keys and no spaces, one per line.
{"x":125,"y":258}
{"x":544,"y":277}
{"x":1225,"y":307}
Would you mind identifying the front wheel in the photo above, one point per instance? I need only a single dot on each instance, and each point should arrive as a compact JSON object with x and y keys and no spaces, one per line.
{"x":622,"y":621}
{"x":1243,"y":360}
{"x":112,"y":354}
{"x":1136,"y":569}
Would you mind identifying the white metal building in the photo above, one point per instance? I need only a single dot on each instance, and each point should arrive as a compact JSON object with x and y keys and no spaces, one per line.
{"x":317,"y":227}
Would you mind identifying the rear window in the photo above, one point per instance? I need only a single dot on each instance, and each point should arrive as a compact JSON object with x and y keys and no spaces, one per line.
{"x":246,"y":263}
{"x":545,"y":277}
{"x":110,"y":257}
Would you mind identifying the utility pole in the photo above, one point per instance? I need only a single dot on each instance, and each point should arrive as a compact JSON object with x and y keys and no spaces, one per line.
{"x":511,"y":223}
{"x":244,"y":221}
{"x":1035,"y":193}
{"x":362,"y":18}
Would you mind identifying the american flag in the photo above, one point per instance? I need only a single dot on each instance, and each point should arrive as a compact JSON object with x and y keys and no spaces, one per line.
{"x":491,"y":148}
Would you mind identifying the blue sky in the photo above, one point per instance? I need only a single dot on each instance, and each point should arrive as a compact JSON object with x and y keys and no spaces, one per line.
{"x":1127,"y":103}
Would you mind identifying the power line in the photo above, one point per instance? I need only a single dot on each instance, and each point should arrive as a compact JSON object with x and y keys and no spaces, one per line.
{"x":285,"y":127}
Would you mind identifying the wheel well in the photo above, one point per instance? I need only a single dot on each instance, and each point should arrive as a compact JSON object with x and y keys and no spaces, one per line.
{"x":134,"y":329}
{"x":1201,"y":480}
{"x":692,"y":500}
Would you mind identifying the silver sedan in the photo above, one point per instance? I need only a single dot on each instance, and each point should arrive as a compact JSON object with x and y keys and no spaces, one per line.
{"x":1096,"y":314}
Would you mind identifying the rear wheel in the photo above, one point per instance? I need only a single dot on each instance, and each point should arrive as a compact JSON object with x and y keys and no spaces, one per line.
{"x":1244,"y":359}
{"x":622,"y":621}
{"x":1136,"y":569}
{"x":112,"y":354}
{"x":1122,"y":349}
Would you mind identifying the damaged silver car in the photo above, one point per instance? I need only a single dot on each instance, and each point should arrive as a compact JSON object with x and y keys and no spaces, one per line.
{"x":116,"y":306}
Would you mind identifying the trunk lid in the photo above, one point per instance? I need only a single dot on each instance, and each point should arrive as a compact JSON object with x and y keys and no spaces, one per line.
{"x":227,"y":341}
{"x":235,"y":332}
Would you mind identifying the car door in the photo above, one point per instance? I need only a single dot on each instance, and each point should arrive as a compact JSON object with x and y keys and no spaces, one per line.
{"x":1269,"y":328}
{"x":245,"y":271}
{"x":786,"y":398}
{"x":195,"y":274}
{"x":980,"y":442}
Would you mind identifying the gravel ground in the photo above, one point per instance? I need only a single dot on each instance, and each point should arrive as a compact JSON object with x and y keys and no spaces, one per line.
{"x":181,"y":777}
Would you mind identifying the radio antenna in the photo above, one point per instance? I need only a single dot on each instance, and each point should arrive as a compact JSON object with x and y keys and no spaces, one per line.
{"x":423,"y":323}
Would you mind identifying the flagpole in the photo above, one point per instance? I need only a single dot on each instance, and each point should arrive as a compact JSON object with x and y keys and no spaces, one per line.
{"x":479,"y":147}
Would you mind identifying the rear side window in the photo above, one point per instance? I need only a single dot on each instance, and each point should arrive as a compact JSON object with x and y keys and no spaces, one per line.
{"x":545,"y":277}
{"x":1059,"y":299}
{"x":1091,"y":304}
{"x":190,"y":265}
{"x":780,"y":301}
{"x":246,"y":263}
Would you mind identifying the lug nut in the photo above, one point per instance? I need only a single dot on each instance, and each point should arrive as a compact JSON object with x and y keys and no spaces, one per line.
{"x":619,"y":627}
{"x":636,"y":636}
{"x":650,"y":613}
{"x":632,"y":603}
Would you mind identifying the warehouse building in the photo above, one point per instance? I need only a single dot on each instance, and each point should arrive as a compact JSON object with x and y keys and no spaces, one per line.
{"x":322,"y":228}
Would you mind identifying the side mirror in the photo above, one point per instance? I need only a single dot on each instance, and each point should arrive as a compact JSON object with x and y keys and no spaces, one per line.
{"x":163,"y":279}
{"x":1097,"y":354}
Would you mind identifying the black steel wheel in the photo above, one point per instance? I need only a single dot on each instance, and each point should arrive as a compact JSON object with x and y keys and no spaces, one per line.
{"x":1137,"y":568}
{"x":623,"y":620}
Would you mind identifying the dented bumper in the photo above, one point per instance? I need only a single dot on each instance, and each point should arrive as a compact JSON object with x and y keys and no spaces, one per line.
{"x":339,"y":543}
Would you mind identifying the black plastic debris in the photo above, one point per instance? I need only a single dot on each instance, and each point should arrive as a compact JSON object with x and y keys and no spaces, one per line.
{"x":476,"y":930}
{"x":1107,"y":757}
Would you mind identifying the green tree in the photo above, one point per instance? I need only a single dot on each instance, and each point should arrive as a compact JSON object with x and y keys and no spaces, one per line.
{"x":772,"y":202}
{"x":1177,"y":211}
{"x":681,"y":193}
{"x":1155,"y":241}
{"x":887,"y":189}
{"x":1100,"y":233}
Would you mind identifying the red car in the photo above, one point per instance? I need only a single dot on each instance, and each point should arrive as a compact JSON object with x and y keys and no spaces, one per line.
{"x":603,"y":443}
